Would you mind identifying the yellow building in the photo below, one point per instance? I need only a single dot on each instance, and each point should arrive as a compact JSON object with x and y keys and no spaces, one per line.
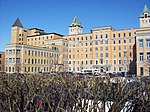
{"x":2,"y":61}
{"x":27,"y":58}
{"x":104,"y":48}
{"x":28,"y":51}
{"x":143,"y":44}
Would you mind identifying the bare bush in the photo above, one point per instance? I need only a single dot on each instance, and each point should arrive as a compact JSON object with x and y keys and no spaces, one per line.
{"x":70,"y":93}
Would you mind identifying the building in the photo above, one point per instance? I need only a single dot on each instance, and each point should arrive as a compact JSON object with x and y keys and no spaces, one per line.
{"x":28,"y":51}
{"x":31,"y":59}
{"x":143,"y":43}
{"x":104,"y":48}
{"x":2,"y":61}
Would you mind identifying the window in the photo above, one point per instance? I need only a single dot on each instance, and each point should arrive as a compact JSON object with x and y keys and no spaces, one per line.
{"x":140,"y":43}
{"x":101,"y":61}
{"x":32,"y":61}
{"x":148,"y":55}
{"x":129,"y":40}
{"x":90,"y":55}
{"x":141,"y":70}
{"x":28,"y":61}
{"x":86,"y":62}
{"x":124,"y":35}
{"x":130,"y":54}
{"x":101,"y":36}
{"x":114,"y":68}
{"x":106,"y":36}
{"x":101,"y":54}
{"x":86,"y":55}
{"x":90,"y":61}
{"x":148,"y":43}
{"x":114,"y":42}
{"x":28,"y":69}
{"x":125,"y":54}
{"x":114,"y":61}
{"x":101,"y":42}
{"x":114,"y":48}
{"x":81,"y":38}
{"x":145,"y":15}
{"x":120,"y":69}
{"x":90,"y":37}
{"x":90,"y":49}
{"x":29,"y":52}
{"x":96,"y":55}
{"x":118,"y":34}
{"x":18,"y":60}
{"x":119,"y":61}
{"x":69,"y":62}
{"x":101,"y":48}
{"x":106,"y":55}
{"x":96,"y":49}
{"x":106,"y":48}
{"x":119,"y":54}
{"x":96,"y":62}
{"x":114,"y":35}
{"x":32,"y":53}
{"x":96,"y":42}
{"x":141,"y":56}
{"x":106,"y":42}
{"x":106,"y":61}
{"x":90,"y":43}
{"x":18,"y":51}
{"x":0,"y":55}
{"x":119,"y":41}
{"x":119,"y":47}
{"x":0,"y":62}
{"x":96,"y":37}
{"x":129,"y":34}
{"x":124,"y":41}
{"x":10,"y":60}
{"x":124,"y":47}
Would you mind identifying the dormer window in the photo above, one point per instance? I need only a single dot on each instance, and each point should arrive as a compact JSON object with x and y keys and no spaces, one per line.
{"x":145,"y":15}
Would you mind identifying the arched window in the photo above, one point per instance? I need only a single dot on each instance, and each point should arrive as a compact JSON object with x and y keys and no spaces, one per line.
{"x":145,"y":15}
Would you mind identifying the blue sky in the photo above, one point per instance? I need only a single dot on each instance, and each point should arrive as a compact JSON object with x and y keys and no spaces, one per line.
{"x":56,"y":15}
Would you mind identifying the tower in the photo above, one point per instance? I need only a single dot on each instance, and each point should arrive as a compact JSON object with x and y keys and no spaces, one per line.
{"x":145,"y":17}
{"x":75,"y":27}
{"x":18,"y":33}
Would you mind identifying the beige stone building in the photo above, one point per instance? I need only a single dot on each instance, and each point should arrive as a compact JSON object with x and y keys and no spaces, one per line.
{"x":28,"y":51}
{"x":143,"y":44}
{"x":104,"y":48}
{"x":2,"y":61}
{"x":31,"y":59}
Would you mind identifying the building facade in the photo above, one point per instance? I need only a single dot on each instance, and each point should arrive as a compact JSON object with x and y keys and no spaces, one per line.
{"x":2,"y":61}
{"x":28,"y":51}
{"x":104,"y":48}
{"x":31,"y":59}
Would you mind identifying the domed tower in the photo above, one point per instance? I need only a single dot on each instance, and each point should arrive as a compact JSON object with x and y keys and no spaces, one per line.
{"x":75,"y":27}
{"x":145,"y":17}
{"x":18,"y":33}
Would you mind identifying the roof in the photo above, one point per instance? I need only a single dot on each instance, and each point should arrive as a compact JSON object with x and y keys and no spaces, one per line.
{"x":36,"y":29}
{"x":145,"y":10}
{"x":75,"y":22}
{"x":17,"y":23}
{"x":47,"y":34}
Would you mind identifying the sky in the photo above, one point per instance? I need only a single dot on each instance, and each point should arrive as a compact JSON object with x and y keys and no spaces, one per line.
{"x":56,"y":15}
